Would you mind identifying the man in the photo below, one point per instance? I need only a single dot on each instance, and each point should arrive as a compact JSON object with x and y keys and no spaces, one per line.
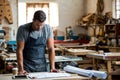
{"x":32,"y":39}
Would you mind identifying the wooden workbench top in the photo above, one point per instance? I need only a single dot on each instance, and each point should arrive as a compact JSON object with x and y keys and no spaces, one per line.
{"x":73,"y":77}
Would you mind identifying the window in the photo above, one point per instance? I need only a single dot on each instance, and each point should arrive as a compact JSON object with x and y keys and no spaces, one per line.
{"x":26,"y":11}
{"x":32,"y":7}
{"x":116,"y":9}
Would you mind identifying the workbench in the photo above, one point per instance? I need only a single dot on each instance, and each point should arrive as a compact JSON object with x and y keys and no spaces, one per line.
{"x":108,"y":57}
{"x":75,"y":49}
{"x":74,"y":45}
{"x":5,"y":57}
{"x":63,"y":60}
{"x":110,"y":48}
{"x":78,"y":52}
{"x":72,"y":77}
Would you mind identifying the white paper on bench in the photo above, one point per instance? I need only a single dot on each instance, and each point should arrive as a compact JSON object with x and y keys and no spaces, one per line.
{"x":78,"y":71}
{"x":48,"y":75}
{"x":89,"y":73}
{"x":99,"y":74}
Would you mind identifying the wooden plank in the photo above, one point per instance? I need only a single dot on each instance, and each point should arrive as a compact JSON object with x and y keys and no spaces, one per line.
{"x":109,"y":70}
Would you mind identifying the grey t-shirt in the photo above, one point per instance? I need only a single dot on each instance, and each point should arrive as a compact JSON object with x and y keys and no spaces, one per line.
{"x":23,"y":32}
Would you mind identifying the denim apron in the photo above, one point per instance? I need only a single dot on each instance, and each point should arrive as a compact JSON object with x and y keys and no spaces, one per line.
{"x":34,"y":54}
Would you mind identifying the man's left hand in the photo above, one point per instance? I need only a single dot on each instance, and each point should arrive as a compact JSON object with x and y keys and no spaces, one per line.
{"x":54,"y":70}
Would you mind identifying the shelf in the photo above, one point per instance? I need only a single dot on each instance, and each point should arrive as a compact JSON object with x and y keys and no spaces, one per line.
{"x":111,"y":36}
{"x":85,"y":26}
{"x":112,"y":30}
{"x":110,"y":24}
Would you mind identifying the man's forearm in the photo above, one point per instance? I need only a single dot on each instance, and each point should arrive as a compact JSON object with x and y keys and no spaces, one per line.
{"x":52,"y":58}
{"x":20,"y":61}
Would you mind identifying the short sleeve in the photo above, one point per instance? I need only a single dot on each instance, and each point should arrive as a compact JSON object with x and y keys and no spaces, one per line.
{"x":50,"y":34}
{"x":20,"y":34}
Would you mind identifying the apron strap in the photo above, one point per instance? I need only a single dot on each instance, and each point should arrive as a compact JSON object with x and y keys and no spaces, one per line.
{"x":29,"y":31}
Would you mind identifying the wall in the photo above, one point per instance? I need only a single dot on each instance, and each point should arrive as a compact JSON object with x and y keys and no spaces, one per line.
{"x":91,"y":6}
{"x":72,"y":10}
{"x":69,"y":12}
{"x":12,"y":27}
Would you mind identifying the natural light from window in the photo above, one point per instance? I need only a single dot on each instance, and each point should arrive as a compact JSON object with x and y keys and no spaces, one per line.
{"x":116,"y":9}
{"x":26,"y":11}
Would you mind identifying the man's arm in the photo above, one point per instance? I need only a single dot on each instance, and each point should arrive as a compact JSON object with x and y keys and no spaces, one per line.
{"x":20,"y":47}
{"x":51,"y":51}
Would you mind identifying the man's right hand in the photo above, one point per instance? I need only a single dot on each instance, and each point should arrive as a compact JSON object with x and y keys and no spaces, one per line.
{"x":22,"y":72}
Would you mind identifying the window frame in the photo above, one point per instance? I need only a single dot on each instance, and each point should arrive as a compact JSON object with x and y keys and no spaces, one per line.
{"x":36,"y":4}
{"x":116,"y":9}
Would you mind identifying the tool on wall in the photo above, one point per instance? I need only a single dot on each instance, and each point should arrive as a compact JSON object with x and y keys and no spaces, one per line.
{"x":5,"y":11}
